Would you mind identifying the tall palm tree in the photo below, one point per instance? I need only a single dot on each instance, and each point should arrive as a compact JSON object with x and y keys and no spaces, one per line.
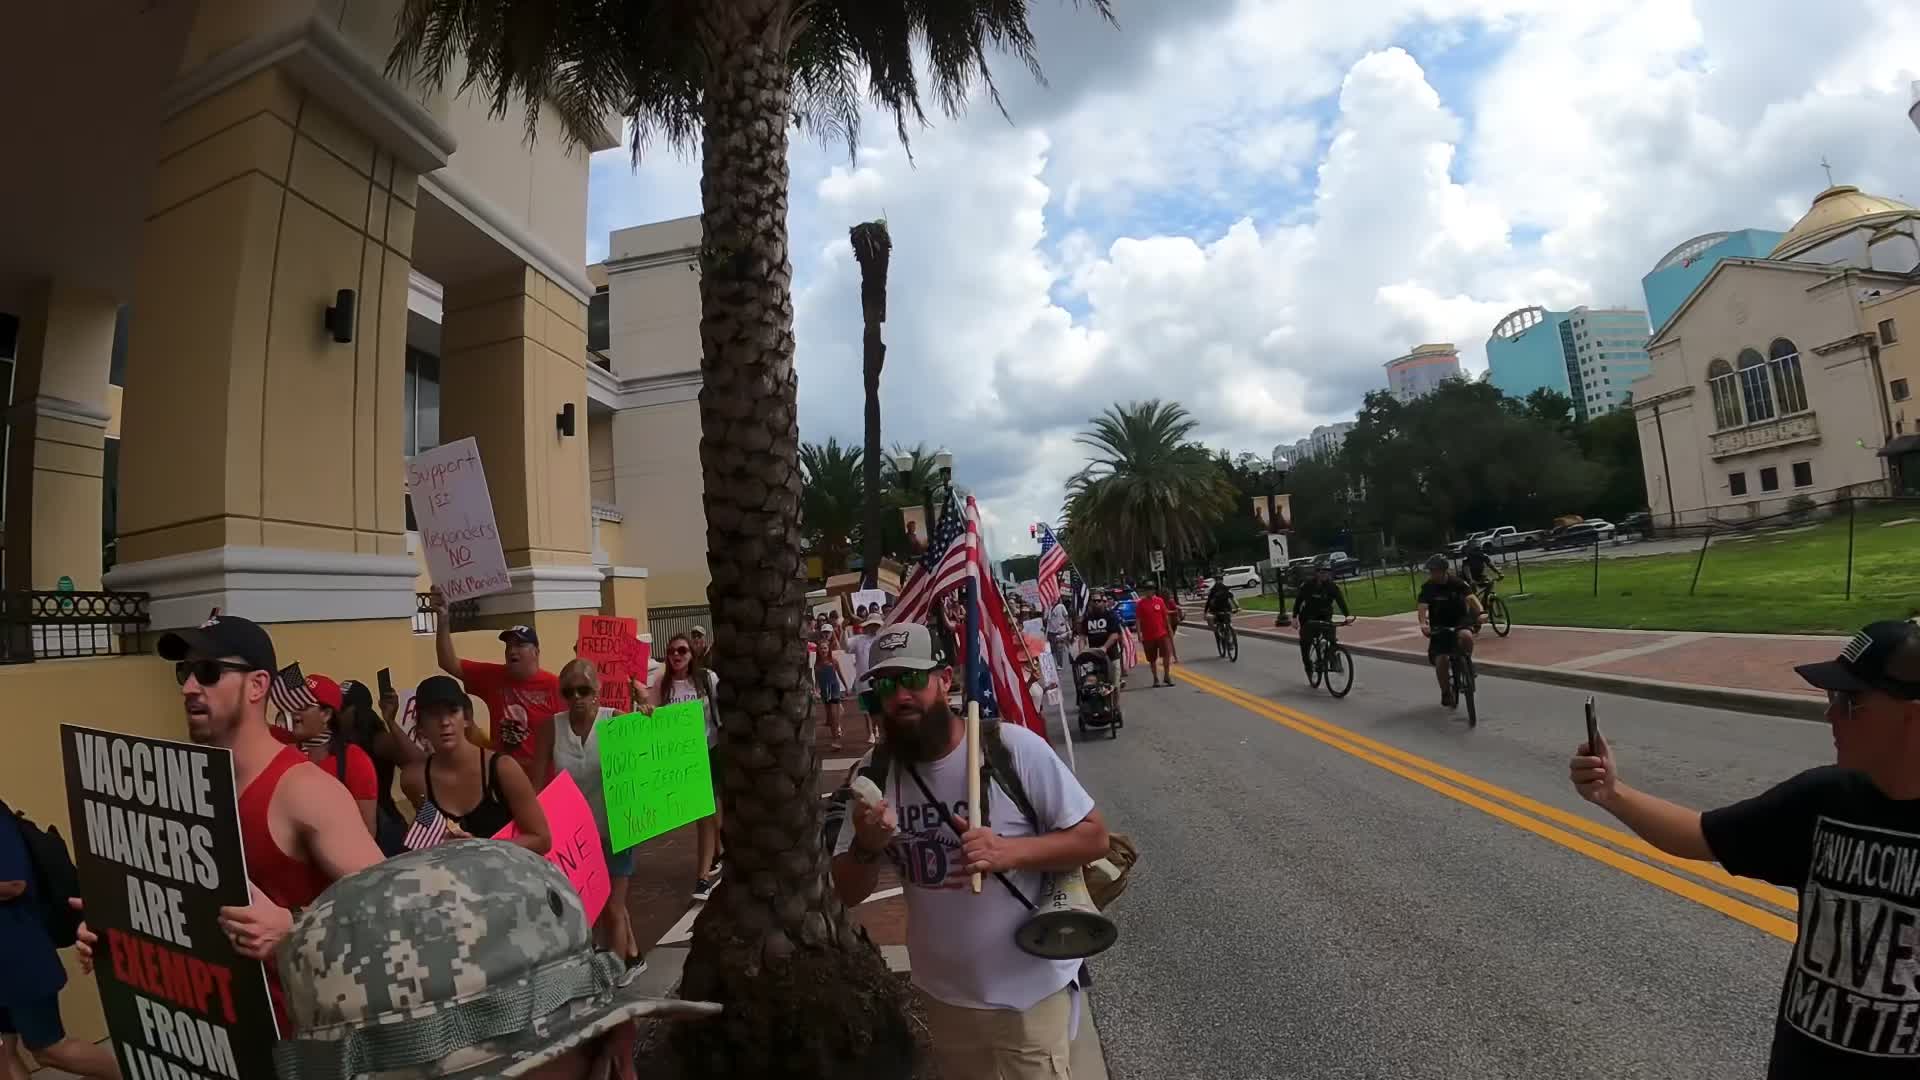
{"x":872,"y":249}
{"x":832,"y":500}
{"x":1146,"y":486}
{"x":804,"y":994}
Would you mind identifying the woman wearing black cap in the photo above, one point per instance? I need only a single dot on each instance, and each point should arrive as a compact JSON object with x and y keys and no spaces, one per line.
{"x":478,"y":791}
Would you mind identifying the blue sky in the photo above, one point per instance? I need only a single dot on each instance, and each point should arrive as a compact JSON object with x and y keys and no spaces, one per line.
{"x":1246,"y":206}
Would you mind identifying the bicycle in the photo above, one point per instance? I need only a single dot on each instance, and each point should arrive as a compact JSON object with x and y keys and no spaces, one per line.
{"x":1226,"y":638}
{"x":1461,"y":666}
{"x":1497,"y":615}
{"x":1322,"y":653}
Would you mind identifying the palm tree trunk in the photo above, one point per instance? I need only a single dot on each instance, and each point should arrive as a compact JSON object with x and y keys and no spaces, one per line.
{"x":805,"y":993}
{"x":872,"y":248}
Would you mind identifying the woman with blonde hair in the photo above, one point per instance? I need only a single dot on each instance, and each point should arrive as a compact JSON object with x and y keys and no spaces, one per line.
{"x":571,"y":744}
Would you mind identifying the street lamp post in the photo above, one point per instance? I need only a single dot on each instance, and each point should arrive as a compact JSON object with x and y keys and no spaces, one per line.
{"x":1274,"y":479}
{"x":934,"y":493}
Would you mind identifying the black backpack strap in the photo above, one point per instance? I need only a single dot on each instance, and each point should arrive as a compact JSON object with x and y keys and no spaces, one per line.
{"x":340,"y":760}
{"x":996,"y":765}
{"x":946,"y":818}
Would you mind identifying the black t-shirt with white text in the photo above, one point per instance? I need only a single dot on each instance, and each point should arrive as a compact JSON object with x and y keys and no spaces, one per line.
{"x":1446,"y":602}
{"x":1851,"y":1003}
{"x":1099,"y":628}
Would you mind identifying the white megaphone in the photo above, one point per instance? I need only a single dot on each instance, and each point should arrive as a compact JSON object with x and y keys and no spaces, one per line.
{"x":1066,"y":925}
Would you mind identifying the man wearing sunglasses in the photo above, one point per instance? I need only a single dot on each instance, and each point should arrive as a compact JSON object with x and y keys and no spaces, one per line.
{"x":300,"y":829}
{"x":993,"y":1009}
{"x":521,"y":698}
{"x":1847,"y":837}
{"x":498,"y":977}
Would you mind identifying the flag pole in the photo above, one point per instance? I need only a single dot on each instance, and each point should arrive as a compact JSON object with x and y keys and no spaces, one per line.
{"x":974,"y":648}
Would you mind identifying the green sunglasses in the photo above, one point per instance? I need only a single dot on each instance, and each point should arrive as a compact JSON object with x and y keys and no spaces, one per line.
{"x":885,"y":685}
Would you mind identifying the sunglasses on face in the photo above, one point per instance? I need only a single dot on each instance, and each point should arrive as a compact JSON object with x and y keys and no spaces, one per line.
{"x":206,"y":672}
{"x":578,"y":693}
{"x":886,"y":685}
{"x":679,"y":650}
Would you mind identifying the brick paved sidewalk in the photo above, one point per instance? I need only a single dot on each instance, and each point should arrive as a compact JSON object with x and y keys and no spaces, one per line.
{"x":1760,"y":665}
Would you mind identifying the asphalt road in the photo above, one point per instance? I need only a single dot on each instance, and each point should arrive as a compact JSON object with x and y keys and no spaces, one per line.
{"x":1302,"y":911}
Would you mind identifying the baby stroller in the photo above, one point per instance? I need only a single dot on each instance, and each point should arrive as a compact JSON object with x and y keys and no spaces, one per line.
{"x":1098,"y":705}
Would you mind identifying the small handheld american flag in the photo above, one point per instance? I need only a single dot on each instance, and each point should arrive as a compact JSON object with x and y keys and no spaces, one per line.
{"x":429,"y":827}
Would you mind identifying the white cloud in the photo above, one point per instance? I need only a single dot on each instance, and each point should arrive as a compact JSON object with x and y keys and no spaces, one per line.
{"x":1249,"y":207}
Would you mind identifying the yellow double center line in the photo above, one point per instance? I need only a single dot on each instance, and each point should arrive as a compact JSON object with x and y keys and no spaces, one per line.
{"x":1569,"y":830}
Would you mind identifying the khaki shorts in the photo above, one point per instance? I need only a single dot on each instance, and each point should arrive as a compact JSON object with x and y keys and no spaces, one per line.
{"x":1001,"y":1044}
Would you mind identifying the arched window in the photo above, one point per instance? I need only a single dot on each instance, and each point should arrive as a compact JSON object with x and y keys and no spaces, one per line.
{"x":1755,"y":394}
{"x":1726,"y":395}
{"x":1784,"y":358}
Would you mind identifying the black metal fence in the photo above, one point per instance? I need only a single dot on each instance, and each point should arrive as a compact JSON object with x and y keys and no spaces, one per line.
{"x":664,"y":622}
{"x":48,"y":625}
{"x":461,"y":615}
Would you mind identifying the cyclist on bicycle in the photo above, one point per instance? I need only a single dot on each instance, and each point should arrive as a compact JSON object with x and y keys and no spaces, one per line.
{"x":1449,"y":617}
{"x":1221,"y":605}
{"x":1477,"y":567}
{"x":1313,"y":610}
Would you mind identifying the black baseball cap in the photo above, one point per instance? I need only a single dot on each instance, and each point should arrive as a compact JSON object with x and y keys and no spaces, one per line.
{"x":222,"y":635}
{"x":354,"y":692}
{"x":520,"y":635}
{"x":441,"y":690}
{"x":1884,"y":656}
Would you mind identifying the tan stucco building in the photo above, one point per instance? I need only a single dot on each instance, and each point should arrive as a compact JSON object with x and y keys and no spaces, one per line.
{"x":195,"y":417}
{"x":1770,"y":381}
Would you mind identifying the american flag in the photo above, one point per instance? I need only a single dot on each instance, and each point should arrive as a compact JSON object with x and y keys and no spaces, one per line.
{"x":1053,"y":563}
{"x":942,"y":569}
{"x":429,"y":827}
{"x":1003,"y":688}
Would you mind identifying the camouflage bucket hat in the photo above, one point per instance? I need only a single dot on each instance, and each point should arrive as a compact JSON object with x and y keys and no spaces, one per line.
{"x":465,"y":960}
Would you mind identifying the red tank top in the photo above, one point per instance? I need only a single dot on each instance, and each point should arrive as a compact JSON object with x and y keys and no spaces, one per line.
{"x":285,"y":880}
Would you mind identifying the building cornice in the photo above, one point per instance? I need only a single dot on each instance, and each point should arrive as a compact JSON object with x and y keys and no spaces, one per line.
{"x":463,"y":199}
{"x":271,"y":585}
{"x":689,"y":255}
{"x":321,"y":59}
{"x":1661,"y":399}
{"x":646,"y":391}
{"x":1851,"y":341}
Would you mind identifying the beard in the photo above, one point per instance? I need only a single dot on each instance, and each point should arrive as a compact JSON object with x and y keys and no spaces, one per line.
{"x":918,"y":734}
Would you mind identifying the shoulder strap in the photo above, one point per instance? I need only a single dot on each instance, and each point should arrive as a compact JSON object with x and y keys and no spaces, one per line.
{"x":946,"y":819}
{"x":340,"y":747}
{"x":493,"y":778}
{"x":996,"y":761}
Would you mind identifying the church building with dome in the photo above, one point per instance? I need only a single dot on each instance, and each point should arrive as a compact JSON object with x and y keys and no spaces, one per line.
{"x":1789,"y":374}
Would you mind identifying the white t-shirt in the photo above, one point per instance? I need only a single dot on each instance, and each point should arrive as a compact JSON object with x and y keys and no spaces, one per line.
{"x":1059,"y":624}
{"x":862,"y":649}
{"x":683,"y":690}
{"x":961,"y":945}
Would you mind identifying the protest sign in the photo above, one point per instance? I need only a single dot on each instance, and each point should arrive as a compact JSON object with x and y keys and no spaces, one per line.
{"x":614,"y":646}
{"x":576,"y":841}
{"x":654,"y":771}
{"x":457,"y":530}
{"x":870,"y":598}
{"x":157,"y":846}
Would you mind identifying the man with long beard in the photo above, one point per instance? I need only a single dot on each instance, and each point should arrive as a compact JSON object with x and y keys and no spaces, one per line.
{"x":993,"y":1010}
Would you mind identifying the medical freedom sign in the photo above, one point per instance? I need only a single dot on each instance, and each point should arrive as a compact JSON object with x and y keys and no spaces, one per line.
{"x":455,"y":514}
{"x":157,"y":844}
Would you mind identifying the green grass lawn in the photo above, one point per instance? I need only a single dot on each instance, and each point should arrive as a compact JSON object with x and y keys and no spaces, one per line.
{"x":1771,"y":583}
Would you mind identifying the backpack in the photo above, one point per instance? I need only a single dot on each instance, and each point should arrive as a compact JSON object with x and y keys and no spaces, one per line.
{"x":1105,"y":883}
{"x":55,"y":879}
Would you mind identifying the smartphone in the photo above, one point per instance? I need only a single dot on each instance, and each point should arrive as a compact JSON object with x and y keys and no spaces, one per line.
{"x":1593,"y":728}
{"x":386,"y":681}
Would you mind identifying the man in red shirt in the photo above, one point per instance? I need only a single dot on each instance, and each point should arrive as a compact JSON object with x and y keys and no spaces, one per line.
{"x":298,"y":826}
{"x":1157,"y":636}
{"x":521,"y":699}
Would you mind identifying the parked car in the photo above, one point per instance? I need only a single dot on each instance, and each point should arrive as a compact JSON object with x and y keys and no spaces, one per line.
{"x":1601,"y":526}
{"x":1639,"y":522}
{"x":1241,"y":577}
{"x":1574,"y":536}
{"x":1343,"y":564}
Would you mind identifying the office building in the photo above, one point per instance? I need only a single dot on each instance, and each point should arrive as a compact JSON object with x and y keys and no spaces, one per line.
{"x":1418,"y":373}
{"x":1325,"y":440}
{"x":1610,"y":352}
{"x":1533,"y":349}
{"x":1681,"y":270}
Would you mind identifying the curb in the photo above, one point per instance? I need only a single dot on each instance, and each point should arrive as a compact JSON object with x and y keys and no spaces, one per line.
{"x":1762,"y":702}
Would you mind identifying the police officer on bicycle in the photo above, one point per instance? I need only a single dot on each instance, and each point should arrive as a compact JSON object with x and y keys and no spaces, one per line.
{"x":1313,"y":609}
{"x":1449,"y":617}
{"x":1477,"y":567}
{"x":1220,"y":602}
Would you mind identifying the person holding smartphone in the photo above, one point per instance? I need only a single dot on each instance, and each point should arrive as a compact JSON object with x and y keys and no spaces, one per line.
{"x":1847,"y":837}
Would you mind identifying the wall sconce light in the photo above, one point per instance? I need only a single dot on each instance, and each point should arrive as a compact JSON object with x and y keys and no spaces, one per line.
{"x":339,"y":320}
{"x":564,"y":421}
